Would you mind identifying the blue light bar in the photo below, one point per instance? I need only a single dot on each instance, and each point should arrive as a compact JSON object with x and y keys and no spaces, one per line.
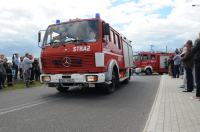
{"x":97,"y":15}
{"x":57,"y":21}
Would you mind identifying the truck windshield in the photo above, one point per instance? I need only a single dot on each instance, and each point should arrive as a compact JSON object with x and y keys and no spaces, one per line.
{"x":76,"y":31}
{"x":136,"y":57}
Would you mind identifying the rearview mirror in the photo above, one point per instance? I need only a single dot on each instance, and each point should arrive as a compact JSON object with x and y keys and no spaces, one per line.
{"x":106,"y":29}
{"x":39,"y":36}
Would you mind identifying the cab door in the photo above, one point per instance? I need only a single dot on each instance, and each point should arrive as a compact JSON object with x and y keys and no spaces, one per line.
{"x":153,"y":62}
{"x":144,"y":60}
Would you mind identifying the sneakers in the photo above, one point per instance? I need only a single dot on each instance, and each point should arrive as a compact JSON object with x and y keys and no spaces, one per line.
{"x":27,"y":84}
{"x":182,"y":86}
{"x":195,"y":98}
{"x":186,"y":91}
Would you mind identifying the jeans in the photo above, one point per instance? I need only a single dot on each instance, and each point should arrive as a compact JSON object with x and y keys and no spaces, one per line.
{"x":190,"y":80}
{"x":184,"y":77}
{"x":172,"y":69}
{"x":197,"y":75}
{"x":176,"y":71}
{"x":20,"y":73}
{"x":32,"y":77}
{"x":16,"y":72}
{"x":27,"y":75}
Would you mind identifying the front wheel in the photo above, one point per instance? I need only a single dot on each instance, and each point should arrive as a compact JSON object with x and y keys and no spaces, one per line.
{"x":148,"y":71}
{"x":126,"y":81}
{"x":112,"y":87}
{"x":62,"y":89}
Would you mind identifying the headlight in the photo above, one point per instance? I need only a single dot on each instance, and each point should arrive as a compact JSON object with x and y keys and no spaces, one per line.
{"x":91,"y":78}
{"x":46,"y":78}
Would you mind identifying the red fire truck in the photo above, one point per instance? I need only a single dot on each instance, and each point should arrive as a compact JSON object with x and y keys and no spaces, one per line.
{"x":149,"y":62}
{"x":84,"y":53}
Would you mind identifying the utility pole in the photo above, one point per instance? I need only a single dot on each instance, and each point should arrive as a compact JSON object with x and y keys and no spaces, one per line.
{"x":151,"y":48}
{"x":166,"y":49}
{"x":195,"y":5}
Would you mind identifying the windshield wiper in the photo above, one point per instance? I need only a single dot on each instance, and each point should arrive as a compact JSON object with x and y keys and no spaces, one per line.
{"x":79,"y":41}
{"x":57,"y":43}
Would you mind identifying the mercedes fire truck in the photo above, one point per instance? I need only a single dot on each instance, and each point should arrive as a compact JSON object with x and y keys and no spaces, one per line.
{"x":84,"y":53}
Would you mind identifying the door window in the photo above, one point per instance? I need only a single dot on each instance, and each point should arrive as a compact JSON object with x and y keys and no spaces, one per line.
{"x":145,"y":57}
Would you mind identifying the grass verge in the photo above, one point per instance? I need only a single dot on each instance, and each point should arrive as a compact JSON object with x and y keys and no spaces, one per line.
{"x":21,"y":85}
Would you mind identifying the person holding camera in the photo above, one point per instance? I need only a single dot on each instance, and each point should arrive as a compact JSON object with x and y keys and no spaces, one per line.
{"x":188,"y":64}
{"x":15,"y":61}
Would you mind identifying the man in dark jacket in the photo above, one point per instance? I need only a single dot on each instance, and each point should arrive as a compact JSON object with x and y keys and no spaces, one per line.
{"x":188,"y":64}
{"x":195,"y":53}
{"x":2,"y":70}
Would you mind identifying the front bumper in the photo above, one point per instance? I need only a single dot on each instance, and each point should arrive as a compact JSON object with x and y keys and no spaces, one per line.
{"x":71,"y":78}
{"x":138,"y":70}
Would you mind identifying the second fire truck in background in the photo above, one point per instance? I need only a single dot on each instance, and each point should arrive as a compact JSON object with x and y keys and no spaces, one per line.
{"x":149,"y":62}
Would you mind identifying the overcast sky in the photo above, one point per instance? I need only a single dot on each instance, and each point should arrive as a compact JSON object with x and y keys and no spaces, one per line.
{"x":145,"y":22}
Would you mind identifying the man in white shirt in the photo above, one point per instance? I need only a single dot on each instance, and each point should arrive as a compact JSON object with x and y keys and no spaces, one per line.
{"x":27,"y":65}
{"x":21,"y":68}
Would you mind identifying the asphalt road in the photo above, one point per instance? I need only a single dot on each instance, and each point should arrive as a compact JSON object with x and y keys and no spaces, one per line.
{"x":46,"y":110}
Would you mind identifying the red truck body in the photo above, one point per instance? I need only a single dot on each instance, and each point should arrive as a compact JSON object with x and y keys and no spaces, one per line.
{"x":85,"y":61}
{"x":150,"y":62}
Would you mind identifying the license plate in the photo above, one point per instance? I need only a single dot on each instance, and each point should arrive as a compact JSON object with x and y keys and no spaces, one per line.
{"x":67,"y":80}
{"x":91,"y":85}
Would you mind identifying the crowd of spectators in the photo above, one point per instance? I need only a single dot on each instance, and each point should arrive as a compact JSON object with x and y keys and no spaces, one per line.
{"x":24,"y":68}
{"x":186,"y":62}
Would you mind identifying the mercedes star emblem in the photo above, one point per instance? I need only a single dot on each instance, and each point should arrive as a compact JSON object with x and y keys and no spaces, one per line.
{"x":67,"y":62}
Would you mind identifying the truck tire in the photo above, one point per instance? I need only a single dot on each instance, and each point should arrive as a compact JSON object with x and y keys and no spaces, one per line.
{"x":112,"y":87}
{"x":62,"y":89}
{"x":126,"y":81}
{"x":148,"y":71}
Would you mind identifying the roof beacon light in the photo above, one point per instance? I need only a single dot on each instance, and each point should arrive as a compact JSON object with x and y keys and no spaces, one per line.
{"x":97,"y":15}
{"x":57,"y":21}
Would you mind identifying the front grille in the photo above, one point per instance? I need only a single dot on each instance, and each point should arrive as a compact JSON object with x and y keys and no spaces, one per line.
{"x":74,"y":62}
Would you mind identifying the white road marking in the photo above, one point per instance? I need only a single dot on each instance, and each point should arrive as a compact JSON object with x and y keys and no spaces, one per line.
{"x":12,"y":107}
{"x":21,"y":107}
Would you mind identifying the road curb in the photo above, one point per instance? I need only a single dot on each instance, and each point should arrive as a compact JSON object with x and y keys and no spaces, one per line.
{"x":151,"y":121}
